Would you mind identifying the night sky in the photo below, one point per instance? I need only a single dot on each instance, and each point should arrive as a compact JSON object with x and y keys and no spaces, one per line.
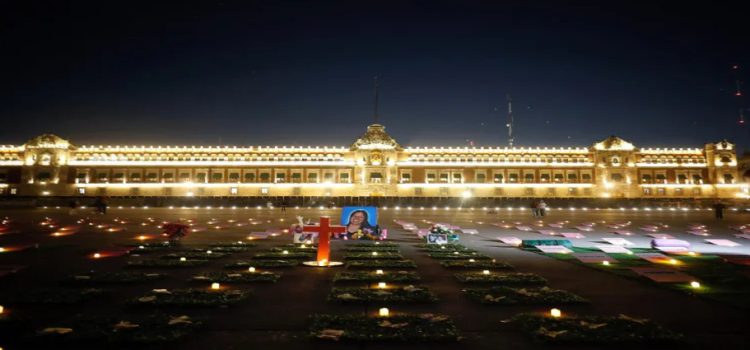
{"x":301,"y":73}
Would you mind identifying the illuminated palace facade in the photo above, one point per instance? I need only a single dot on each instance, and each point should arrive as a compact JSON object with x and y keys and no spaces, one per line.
{"x":374,"y":165}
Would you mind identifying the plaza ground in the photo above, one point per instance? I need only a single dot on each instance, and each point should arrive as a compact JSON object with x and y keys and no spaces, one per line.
{"x":276,"y":315}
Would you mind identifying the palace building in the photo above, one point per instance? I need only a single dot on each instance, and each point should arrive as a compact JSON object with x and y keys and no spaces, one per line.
{"x":374,"y":165}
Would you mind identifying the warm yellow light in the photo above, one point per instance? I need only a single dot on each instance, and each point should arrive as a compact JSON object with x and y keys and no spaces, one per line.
{"x":2,"y":249}
{"x":472,"y":260}
{"x":486,"y":272}
{"x":378,"y":272}
{"x":555,"y":313}
{"x":383,"y":312}
{"x":695,"y":284}
{"x":374,"y":253}
{"x":209,"y":252}
{"x":285,"y":252}
{"x":673,"y":261}
{"x":251,"y":269}
{"x":323,"y":262}
{"x":381,"y":285}
{"x":2,"y":309}
{"x":97,"y":255}
{"x":215,"y":286}
{"x":183,"y":259}
{"x":605,"y":263}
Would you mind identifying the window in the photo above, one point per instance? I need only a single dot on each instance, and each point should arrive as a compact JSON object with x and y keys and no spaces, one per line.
{"x":265,"y":177}
{"x":682,"y":178}
{"x":558,"y":177}
{"x":233,"y":190}
{"x":184,"y":177}
{"x":728,"y":179}
{"x":661,"y":178}
{"x":646,"y":178}
{"x":545,"y":177}
{"x":481,"y":178}
{"x":572,"y":178}
{"x":616,"y":177}
{"x":234,"y":177}
{"x":376,"y":177}
{"x":201,"y":177}
{"x":344,"y":177}
{"x":101,"y":177}
{"x":328,"y":177}
{"x":152,"y":177}
{"x":297,"y":177}
{"x":118,"y":176}
{"x":586,"y":177}
{"x":678,"y":192}
{"x":249,"y":177}
{"x":457,"y":178}
{"x":444,"y":178}
{"x":528,"y":177}
{"x":430,"y":177}
{"x":513,"y":177}
{"x":217,"y":176}
{"x":81,"y":190}
{"x":263,"y":190}
{"x":646,"y":191}
{"x":405,"y":178}
{"x":661,"y":191}
{"x":280,"y":177}
{"x":135,"y":177}
{"x":725,"y":159}
{"x":168,"y":177}
{"x":81,"y":177}
{"x":697,"y":178}
{"x":498,"y":178}
{"x":312,"y":177}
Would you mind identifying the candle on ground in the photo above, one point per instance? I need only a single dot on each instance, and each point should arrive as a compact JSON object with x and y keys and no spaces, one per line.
{"x":215,"y":286}
{"x":555,"y":313}
{"x":383,"y":312}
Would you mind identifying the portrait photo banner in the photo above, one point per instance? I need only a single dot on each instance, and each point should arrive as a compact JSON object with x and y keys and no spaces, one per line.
{"x":371,"y":214}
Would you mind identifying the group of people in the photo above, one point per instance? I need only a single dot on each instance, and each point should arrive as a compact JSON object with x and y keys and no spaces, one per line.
{"x":538,"y":208}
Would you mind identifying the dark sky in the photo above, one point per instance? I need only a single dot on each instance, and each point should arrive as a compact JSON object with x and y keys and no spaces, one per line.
{"x":292,"y":72}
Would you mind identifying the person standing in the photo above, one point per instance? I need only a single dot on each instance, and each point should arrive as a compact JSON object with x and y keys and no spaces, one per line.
{"x":542,"y":207}
{"x":534,"y":208}
{"x":719,"y":210}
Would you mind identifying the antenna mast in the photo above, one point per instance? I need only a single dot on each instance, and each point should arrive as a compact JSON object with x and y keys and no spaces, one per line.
{"x":509,"y":125}
{"x":375,"y":115}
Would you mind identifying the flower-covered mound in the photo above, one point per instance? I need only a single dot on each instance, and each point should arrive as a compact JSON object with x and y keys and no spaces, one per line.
{"x":595,"y":330}
{"x":414,"y":328}
{"x":526,"y":296}
{"x":408,"y":294}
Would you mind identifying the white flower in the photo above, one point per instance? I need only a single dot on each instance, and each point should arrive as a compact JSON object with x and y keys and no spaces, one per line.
{"x":180,"y":320}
